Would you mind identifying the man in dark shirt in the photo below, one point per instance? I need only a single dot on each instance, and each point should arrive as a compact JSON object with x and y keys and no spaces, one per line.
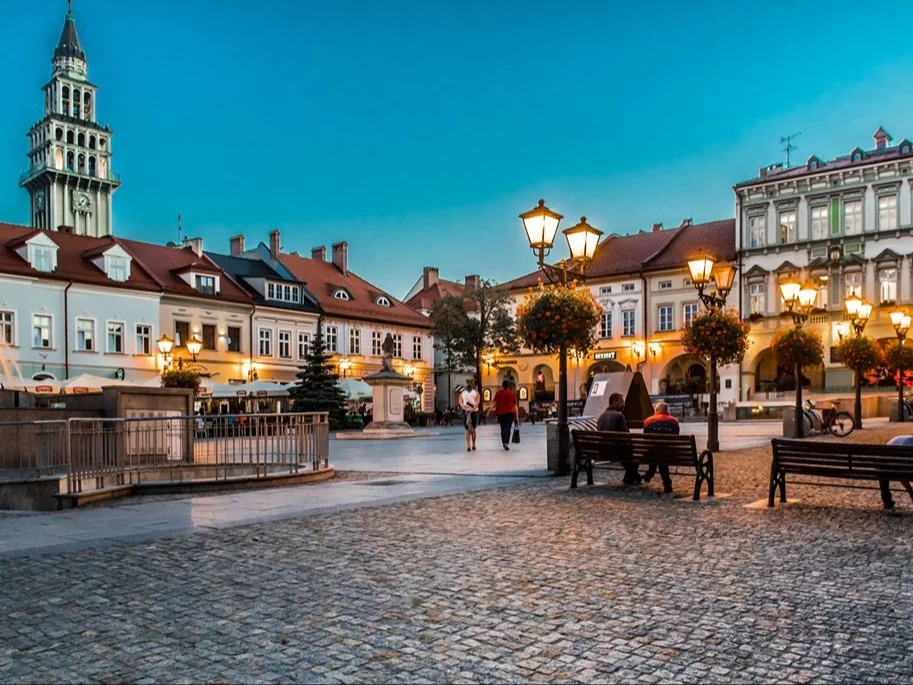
{"x":612,"y":419}
{"x":662,"y":422}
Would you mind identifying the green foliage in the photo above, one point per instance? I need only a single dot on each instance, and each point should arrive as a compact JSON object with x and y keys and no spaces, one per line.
{"x":719,"y":335}
{"x":464,"y":327}
{"x":899,"y":356}
{"x":793,"y":346}
{"x":859,"y":353}
{"x":317,"y":389}
{"x":181,"y":378}
{"x":553,"y":314}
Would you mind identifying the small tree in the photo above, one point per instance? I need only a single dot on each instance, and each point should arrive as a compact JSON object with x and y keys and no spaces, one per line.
{"x":718,"y":336}
{"x":860,"y":354}
{"x":553,"y":315}
{"x":795,"y":348}
{"x":899,"y":358}
{"x":317,"y":388}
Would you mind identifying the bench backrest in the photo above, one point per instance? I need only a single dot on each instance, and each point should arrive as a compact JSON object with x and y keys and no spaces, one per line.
{"x":636,"y":447}
{"x":842,"y":459}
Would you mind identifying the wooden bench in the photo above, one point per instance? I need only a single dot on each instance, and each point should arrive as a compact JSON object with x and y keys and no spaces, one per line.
{"x":847,"y":461}
{"x":661,"y":450}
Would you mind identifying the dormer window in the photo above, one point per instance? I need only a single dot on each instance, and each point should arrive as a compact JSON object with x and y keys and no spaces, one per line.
{"x":206,"y":285}
{"x":856,"y":155}
{"x":342,"y":295}
{"x":117,"y":269}
{"x":283,"y":292}
{"x":42,"y":258}
{"x":383,"y":301}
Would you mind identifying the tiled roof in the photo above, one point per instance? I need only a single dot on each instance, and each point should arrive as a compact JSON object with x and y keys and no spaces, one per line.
{"x":425,"y":299}
{"x":74,"y":255}
{"x":715,"y":238}
{"x":243,"y":268}
{"x":324,"y":279}
{"x":164,"y":263}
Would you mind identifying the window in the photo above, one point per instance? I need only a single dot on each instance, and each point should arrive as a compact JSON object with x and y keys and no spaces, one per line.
{"x":341,"y":295}
{"x":689,"y":311}
{"x":285,"y":344}
{"x":627,"y":323}
{"x":332,"y":336}
{"x":115,"y":337}
{"x":416,"y":347}
{"x":398,"y":345}
{"x":852,"y":217}
{"x":887,"y":283}
{"x":271,"y":291}
{"x":117,"y":269}
{"x":206,"y":285}
{"x":234,"y":338}
{"x":822,"y":299}
{"x":42,"y":258}
{"x":757,"y":298}
{"x":887,"y":213}
{"x":819,"y":222}
{"x":383,"y":301}
{"x":757,"y":231}
{"x":354,"y":341}
{"x":605,"y":325}
{"x":209,"y":336}
{"x":304,"y":344}
{"x":627,"y":288}
{"x":85,"y":335}
{"x":787,"y":228}
{"x":852,"y":283}
{"x":143,"y":338}
{"x":686,"y":283}
{"x":6,"y":327}
{"x":266,"y":342}
{"x":41,"y":330}
{"x":282,"y":292}
{"x":665,"y":317}
{"x":181,"y":333}
{"x":605,"y":290}
{"x":665,"y":285}
{"x":377,"y":342}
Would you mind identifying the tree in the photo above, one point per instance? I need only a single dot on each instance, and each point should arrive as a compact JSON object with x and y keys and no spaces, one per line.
{"x":317,"y":389}
{"x":861,"y":354}
{"x":795,"y":348}
{"x":467,"y":326}
{"x":717,"y":335}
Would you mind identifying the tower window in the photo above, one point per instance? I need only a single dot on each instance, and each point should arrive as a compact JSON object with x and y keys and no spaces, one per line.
{"x":81,"y":140}
{"x":91,"y":142}
{"x":70,"y":137}
{"x":87,"y":104}
{"x":82,"y":163}
{"x":101,"y":143}
{"x":58,"y":134}
{"x":77,"y":102}
{"x":69,"y":161}
{"x":91,"y":166}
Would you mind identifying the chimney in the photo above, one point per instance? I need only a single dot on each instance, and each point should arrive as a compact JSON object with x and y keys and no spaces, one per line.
{"x":274,"y":244}
{"x":472,"y":282}
{"x":319,"y":253}
{"x":195,"y":244}
{"x":685,"y":222}
{"x":882,"y":138}
{"x":341,"y":257}
{"x":657,"y":227}
{"x":429,"y":277}
{"x":237,"y":245}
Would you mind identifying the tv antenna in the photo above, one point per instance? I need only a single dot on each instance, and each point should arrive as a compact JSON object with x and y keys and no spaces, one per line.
{"x":787,"y":141}
{"x":180,"y":220}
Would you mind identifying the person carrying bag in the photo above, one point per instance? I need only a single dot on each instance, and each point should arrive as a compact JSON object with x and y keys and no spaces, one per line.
{"x":516,"y":436}
{"x":505,"y":406}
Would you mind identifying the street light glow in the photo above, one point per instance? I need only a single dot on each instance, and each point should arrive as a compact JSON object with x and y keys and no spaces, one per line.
{"x":541,"y":225}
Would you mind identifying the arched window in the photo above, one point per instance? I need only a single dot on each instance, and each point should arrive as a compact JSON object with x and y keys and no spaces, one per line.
{"x":91,"y":142}
{"x":87,"y":104}
{"x":82,"y":163}
{"x":92,"y":165}
{"x":383,"y":301}
{"x":70,"y":161}
{"x":341,"y":295}
{"x":70,"y":137}
{"x":82,"y":139}
{"x":77,"y":102}
{"x":101,"y":143}
{"x":66,"y":100}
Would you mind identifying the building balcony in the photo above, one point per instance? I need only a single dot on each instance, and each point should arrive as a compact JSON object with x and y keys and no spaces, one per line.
{"x":34,"y":171}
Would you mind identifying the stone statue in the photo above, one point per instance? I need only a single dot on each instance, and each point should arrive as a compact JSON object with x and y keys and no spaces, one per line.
{"x":387,"y":347}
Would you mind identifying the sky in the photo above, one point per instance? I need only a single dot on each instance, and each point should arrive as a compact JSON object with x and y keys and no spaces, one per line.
{"x":417,"y":131}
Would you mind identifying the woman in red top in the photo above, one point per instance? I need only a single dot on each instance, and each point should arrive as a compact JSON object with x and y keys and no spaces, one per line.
{"x":505,"y":406}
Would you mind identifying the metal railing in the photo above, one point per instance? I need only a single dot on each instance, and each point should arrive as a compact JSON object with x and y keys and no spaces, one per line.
{"x":33,"y":449}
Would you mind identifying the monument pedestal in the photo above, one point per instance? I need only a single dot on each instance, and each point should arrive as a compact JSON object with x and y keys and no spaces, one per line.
{"x":388,"y":420}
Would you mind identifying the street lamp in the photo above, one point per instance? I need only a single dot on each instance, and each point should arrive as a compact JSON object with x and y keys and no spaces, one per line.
{"x":799,"y":300}
{"x":194,"y":346}
{"x":165,"y":345}
{"x":901,"y":322}
{"x":704,"y":270}
{"x":859,"y":312}
{"x":541,"y":226}
{"x":345,"y":365}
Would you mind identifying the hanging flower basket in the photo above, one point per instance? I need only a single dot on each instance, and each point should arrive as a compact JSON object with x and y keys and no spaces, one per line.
{"x":181,"y":378}
{"x":899,"y":356}
{"x":552,"y":314}
{"x":717,"y":334}
{"x":859,"y":353}
{"x":793,"y":346}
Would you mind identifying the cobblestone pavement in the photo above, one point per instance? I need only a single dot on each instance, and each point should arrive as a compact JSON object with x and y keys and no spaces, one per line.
{"x":531,"y":582}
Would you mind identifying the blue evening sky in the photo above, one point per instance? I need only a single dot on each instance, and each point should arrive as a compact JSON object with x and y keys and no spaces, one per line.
{"x":418,"y":130}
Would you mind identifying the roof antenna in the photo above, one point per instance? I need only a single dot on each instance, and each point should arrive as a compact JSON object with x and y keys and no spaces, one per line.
{"x":70,"y":7}
{"x":180,"y":218}
{"x":788,"y":141}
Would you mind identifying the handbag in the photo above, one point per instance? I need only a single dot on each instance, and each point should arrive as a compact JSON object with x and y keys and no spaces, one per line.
{"x":516,"y":436}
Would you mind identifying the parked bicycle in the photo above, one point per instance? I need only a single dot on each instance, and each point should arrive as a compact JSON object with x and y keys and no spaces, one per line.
{"x":839,"y":423}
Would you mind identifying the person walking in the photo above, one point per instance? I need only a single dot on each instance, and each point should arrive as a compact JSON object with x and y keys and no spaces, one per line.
{"x":661,"y":423}
{"x":469,"y":403}
{"x":612,"y":419}
{"x":507,"y":411}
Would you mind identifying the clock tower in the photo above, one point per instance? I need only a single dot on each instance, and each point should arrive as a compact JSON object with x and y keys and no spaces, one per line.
{"x":69,"y":178}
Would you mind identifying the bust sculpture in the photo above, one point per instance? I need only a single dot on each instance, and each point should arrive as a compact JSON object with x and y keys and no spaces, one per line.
{"x":387,"y":347}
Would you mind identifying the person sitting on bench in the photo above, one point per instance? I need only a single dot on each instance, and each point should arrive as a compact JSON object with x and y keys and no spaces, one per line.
{"x":612,"y":419}
{"x":662,"y":422}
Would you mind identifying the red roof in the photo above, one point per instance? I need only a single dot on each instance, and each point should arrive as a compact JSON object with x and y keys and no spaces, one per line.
{"x":324,"y":279}
{"x":425,"y":299}
{"x":714,"y":238}
{"x":74,"y":259}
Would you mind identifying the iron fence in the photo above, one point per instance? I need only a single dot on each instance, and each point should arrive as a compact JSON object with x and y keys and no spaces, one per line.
{"x":32,"y":449}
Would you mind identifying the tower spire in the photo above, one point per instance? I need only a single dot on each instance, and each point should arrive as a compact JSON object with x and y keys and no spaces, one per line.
{"x":68,"y":45}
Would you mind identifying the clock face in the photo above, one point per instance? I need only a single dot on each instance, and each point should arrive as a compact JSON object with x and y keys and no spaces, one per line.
{"x":81,"y":201}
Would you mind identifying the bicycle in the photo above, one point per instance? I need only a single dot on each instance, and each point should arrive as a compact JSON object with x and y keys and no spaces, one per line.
{"x":839,"y":423}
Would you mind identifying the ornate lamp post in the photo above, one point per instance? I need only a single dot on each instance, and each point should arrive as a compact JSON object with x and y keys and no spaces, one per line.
{"x":859,"y":312}
{"x":165,"y":345}
{"x":799,"y":300}
{"x":901,"y":322}
{"x":703,"y":271}
{"x":541,"y":226}
{"x":345,"y":365}
{"x":194,"y":347}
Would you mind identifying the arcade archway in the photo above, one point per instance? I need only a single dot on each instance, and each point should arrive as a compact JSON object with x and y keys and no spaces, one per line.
{"x":684,"y":375}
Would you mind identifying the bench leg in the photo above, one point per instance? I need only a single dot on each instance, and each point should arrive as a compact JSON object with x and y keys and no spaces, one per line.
{"x":907,"y":487}
{"x":704,"y":473}
{"x":575,"y":470}
{"x":589,"y":472}
{"x":886,"y":499}
{"x":776,"y":479}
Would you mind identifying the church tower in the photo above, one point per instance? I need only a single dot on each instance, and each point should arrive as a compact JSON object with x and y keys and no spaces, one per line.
{"x":69,"y":179}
